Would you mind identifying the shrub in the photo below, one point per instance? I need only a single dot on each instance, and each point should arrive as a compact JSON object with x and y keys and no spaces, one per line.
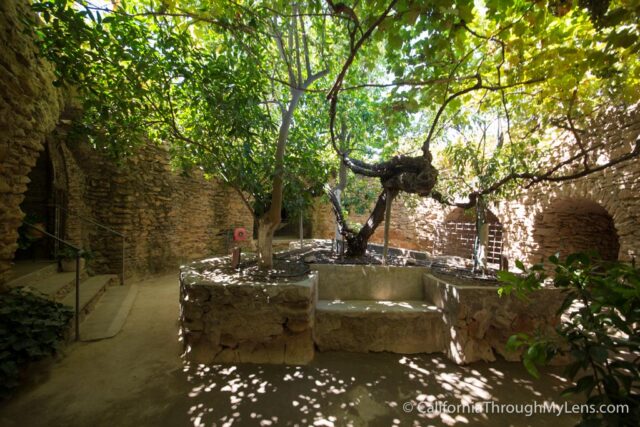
{"x":31,"y":328}
{"x":600,"y":330}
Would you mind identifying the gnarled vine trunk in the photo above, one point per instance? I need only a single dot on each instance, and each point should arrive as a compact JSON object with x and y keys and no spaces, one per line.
{"x":357,"y":241}
{"x":409,"y":174}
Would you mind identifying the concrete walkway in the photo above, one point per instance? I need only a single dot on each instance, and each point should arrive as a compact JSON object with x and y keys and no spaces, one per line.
{"x":138,"y":379}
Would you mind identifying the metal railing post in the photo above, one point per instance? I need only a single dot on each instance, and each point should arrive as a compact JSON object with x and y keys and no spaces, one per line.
{"x":56,"y":244}
{"x":79,"y":252}
{"x":78,"y":296}
{"x":122,"y":273}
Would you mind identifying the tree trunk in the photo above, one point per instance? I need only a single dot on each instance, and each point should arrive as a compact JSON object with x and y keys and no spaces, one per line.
{"x":387,"y":222}
{"x":342,"y":184}
{"x":265,"y":242}
{"x":269,"y":222}
{"x":482,"y":237}
{"x":357,"y":242}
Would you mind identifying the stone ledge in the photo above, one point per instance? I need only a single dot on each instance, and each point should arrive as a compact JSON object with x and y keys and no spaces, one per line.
{"x":359,"y":307}
{"x":371,"y":326}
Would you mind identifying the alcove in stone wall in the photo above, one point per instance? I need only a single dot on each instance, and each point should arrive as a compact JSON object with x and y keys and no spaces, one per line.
{"x":576,"y":225}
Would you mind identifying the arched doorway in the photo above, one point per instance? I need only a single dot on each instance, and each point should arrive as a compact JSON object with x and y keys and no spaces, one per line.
{"x":460,"y":235}
{"x":576,"y":225}
{"x":39,"y":210}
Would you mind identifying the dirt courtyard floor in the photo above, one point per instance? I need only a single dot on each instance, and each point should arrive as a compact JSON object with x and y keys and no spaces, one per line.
{"x":138,"y":379}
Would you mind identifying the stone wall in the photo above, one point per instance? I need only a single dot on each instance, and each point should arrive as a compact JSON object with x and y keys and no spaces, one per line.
{"x":478,"y":322}
{"x":168,"y":217}
{"x":229,"y":318}
{"x":29,"y":110}
{"x":323,"y":224}
{"x":581,"y":210}
{"x":575,"y":225}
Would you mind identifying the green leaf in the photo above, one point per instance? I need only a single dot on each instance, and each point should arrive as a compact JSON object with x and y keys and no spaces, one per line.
{"x":599,"y":354}
{"x":531,"y":368}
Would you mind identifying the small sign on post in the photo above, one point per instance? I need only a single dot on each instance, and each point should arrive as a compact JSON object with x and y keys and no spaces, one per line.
{"x":239,"y":234}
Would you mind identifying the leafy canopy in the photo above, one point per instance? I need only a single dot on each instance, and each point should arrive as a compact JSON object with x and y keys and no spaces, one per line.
{"x":204,"y":78}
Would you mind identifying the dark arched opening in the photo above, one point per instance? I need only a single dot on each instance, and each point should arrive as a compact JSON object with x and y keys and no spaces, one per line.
{"x":39,"y":210}
{"x":576,"y":225}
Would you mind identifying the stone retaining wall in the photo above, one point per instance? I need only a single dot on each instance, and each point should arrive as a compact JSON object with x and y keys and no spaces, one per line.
{"x":229,"y":318}
{"x":616,"y":191}
{"x":478,"y":322}
{"x":226,"y":319}
{"x":168,"y":217}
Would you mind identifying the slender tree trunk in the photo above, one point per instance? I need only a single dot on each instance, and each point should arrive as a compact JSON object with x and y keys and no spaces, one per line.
{"x":268,"y":223}
{"x":342,"y":184}
{"x":265,"y":243}
{"x":387,"y":222}
{"x":482,"y":237}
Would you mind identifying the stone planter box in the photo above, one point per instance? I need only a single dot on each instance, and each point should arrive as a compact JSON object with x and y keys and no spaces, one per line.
{"x":225,"y":320}
{"x":478,"y":322}
{"x":228,"y":318}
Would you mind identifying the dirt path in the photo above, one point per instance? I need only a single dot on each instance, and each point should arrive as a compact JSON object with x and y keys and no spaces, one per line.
{"x":138,"y":379}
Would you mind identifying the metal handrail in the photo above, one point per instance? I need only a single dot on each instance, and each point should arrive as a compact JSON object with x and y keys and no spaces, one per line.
{"x":79,"y":251}
{"x":87,"y":219}
{"x":102,"y":226}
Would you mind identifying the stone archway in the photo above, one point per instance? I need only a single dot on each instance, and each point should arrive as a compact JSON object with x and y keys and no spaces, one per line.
{"x":460,"y":234}
{"x":570,"y":225}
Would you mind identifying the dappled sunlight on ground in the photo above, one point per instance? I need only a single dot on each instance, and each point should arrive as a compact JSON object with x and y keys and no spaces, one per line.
{"x":138,"y":379}
{"x":363,"y":389}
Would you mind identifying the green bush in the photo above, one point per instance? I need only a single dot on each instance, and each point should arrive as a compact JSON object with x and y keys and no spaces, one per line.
{"x":600,"y":331}
{"x":30,"y":329}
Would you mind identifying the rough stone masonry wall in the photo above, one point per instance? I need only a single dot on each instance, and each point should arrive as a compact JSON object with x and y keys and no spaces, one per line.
{"x":478,"y":322}
{"x":614,"y":192}
{"x":168,"y":217}
{"x":227,"y":318}
{"x":572,"y":226}
{"x":29,"y":110}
